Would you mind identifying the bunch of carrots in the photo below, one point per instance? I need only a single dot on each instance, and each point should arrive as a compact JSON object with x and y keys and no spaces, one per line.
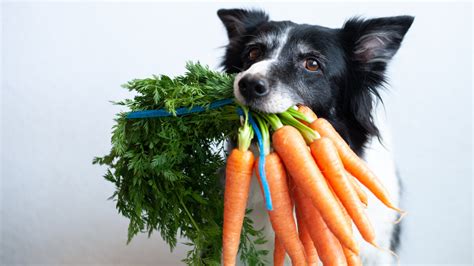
{"x":312,"y":174}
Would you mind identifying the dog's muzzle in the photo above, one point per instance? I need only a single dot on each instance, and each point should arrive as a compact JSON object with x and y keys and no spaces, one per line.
{"x":253,"y":86}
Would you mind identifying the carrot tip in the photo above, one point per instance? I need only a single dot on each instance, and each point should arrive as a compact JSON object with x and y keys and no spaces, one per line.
{"x":402,"y":212}
{"x":402,"y":215}
{"x":387,"y":250}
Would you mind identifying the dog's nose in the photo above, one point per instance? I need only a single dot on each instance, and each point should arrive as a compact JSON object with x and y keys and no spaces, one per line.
{"x":252,"y":86}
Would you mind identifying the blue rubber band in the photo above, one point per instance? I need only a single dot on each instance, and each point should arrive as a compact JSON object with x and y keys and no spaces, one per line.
{"x":179,"y":111}
{"x":261,"y":164}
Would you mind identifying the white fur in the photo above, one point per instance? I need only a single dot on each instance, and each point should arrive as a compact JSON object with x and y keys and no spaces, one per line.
{"x":277,"y":101}
{"x":279,"y":39}
{"x":259,"y":68}
{"x":281,"y":43}
{"x":380,"y":160}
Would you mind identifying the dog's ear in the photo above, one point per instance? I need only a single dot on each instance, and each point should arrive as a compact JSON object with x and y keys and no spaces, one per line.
{"x":240,"y":21}
{"x":369,"y":44}
{"x":372,"y":43}
{"x":240,"y":24}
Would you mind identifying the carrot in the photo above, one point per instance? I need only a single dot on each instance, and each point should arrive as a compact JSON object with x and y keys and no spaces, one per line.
{"x":281,"y":217}
{"x":305,"y":110}
{"x":310,"y":251}
{"x":352,"y":258}
{"x":358,"y":189}
{"x":308,"y":113}
{"x":290,"y":145}
{"x":347,"y":217}
{"x":279,"y":253}
{"x":327,"y":158}
{"x":238,"y":176}
{"x":327,"y":245}
{"x":353,"y":163}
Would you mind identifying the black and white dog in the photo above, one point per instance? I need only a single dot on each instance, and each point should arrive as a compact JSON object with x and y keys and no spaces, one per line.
{"x":337,"y":72}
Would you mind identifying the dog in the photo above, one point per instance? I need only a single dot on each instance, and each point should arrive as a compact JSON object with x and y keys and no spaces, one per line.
{"x":338,"y":73}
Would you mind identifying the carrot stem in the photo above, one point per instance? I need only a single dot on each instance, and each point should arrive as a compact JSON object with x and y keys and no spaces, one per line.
{"x":274,"y":121}
{"x":265,"y":133}
{"x":261,"y":164}
{"x":187,"y":212}
{"x":298,"y":115}
{"x":309,"y":134}
{"x":245,"y":134}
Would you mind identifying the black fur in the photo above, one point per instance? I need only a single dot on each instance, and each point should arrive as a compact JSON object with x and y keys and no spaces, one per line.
{"x":239,"y":24}
{"x":366,"y":71}
{"x":396,"y":234}
{"x":353,"y":60}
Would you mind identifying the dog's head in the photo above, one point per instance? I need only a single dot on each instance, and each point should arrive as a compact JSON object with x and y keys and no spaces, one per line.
{"x":335,"y":71}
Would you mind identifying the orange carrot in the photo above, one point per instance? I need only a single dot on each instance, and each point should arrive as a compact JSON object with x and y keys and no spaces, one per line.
{"x":327,"y":245}
{"x":308,"y":113}
{"x":281,"y":217}
{"x":238,"y":176}
{"x":358,"y":189}
{"x":352,"y":258}
{"x":327,"y":158}
{"x":353,"y":163}
{"x":309,"y":248}
{"x":310,"y":251}
{"x":279,"y":253}
{"x":347,"y":217}
{"x":290,"y":145}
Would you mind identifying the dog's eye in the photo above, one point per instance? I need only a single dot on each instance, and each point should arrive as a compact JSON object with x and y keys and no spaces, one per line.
{"x":255,"y":53}
{"x":311,"y":64}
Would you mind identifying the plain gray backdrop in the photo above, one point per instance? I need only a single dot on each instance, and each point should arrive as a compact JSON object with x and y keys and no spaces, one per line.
{"x":63,"y":62}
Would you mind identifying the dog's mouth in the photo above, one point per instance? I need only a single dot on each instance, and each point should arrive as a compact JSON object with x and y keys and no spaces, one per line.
{"x":262,"y":94}
{"x":271,"y":106}
{"x":277,"y":102}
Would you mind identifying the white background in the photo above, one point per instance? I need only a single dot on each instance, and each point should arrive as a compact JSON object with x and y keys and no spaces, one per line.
{"x":62,"y":63}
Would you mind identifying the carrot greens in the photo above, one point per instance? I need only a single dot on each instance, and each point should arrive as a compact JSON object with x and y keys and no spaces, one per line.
{"x":167,"y":170}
